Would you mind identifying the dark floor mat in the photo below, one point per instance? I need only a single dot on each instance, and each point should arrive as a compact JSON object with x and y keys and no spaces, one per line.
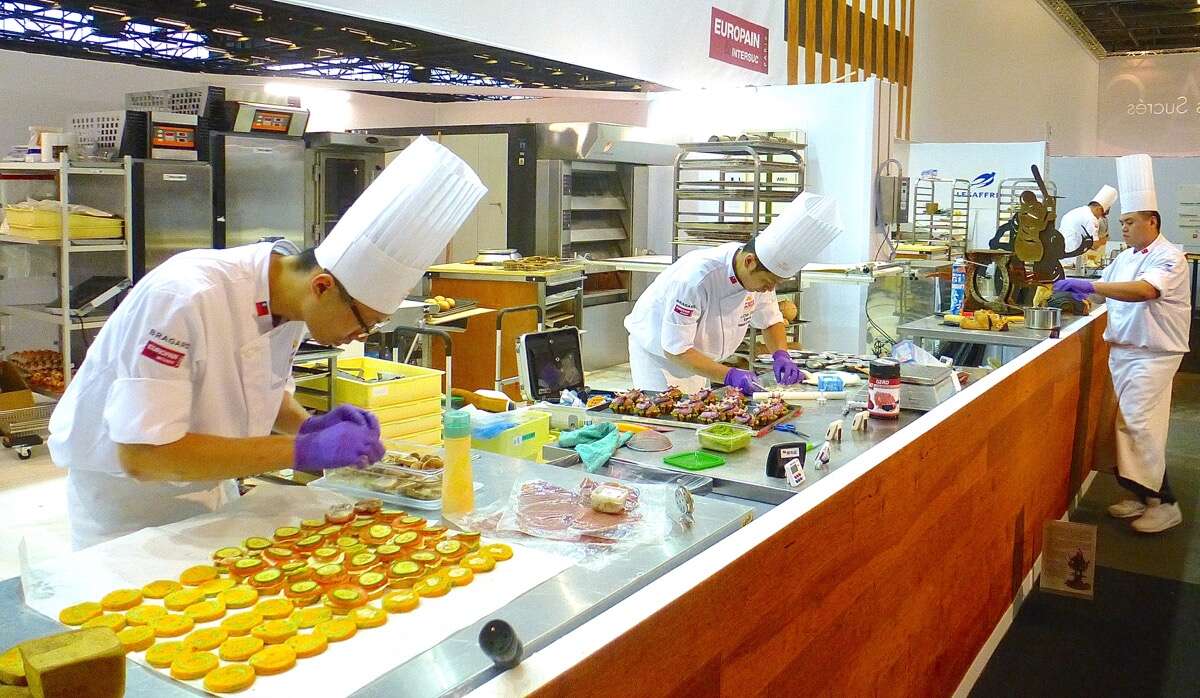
{"x":1140,"y":637}
{"x":1173,"y":554}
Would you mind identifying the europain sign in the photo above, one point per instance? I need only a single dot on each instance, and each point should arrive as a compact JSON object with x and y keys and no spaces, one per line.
{"x":735,"y":41}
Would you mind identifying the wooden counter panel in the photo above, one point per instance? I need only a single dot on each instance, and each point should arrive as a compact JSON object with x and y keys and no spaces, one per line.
{"x":475,"y":349}
{"x":893,"y":584}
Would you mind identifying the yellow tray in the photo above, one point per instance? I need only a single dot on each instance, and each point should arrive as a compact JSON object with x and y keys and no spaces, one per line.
{"x":414,"y":383}
{"x":433,"y":437}
{"x":524,"y":440}
{"x":410,"y":409}
{"x":47,"y":225}
{"x":403,"y":428}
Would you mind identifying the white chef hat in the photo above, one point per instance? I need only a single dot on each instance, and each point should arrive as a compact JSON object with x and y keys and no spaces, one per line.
{"x":796,"y":236}
{"x":380,"y":248}
{"x":1135,"y":177}
{"x":1106,"y":197}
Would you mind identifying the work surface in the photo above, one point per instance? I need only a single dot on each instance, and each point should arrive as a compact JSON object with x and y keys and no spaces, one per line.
{"x":539,"y":616}
{"x":931,"y":327}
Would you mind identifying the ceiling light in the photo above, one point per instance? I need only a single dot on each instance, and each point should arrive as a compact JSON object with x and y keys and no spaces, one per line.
{"x":226,"y":32}
{"x":281,"y":42}
{"x":246,"y":8}
{"x":200,"y":3}
{"x":491,"y":61}
{"x":326,"y":50}
{"x":172,"y":22}
{"x":556,"y":71}
{"x":352,"y":30}
{"x":106,"y":10}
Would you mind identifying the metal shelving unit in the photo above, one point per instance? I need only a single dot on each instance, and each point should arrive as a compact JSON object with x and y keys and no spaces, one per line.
{"x":727,"y":191}
{"x":933,"y":224}
{"x":60,"y":316}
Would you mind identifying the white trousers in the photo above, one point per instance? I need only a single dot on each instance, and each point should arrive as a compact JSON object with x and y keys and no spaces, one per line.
{"x":1142,"y":382}
{"x":652,"y":372}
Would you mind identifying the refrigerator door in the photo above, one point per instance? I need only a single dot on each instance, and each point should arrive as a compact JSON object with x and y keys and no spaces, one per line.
{"x":174,"y":201}
{"x":263,"y":180}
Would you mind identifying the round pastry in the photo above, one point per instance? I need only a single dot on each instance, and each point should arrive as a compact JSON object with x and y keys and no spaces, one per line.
{"x":242,"y":623}
{"x":239,"y":649}
{"x":121,"y":599}
{"x":309,"y":645}
{"x":230,"y":678}
{"x":80,"y":613}
{"x":273,"y":659}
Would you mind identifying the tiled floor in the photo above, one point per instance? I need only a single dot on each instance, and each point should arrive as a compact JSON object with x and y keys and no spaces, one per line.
{"x":611,"y":378}
{"x":33,"y":499}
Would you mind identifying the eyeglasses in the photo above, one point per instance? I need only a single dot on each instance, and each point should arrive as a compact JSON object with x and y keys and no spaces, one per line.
{"x":366,"y":329}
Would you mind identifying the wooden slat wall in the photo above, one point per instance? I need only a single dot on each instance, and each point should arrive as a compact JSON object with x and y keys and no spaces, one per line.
{"x":849,"y":36}
{"x":891,"y":586}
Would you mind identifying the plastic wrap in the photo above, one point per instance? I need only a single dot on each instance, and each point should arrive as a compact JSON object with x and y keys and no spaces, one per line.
{"x":544,"y":510}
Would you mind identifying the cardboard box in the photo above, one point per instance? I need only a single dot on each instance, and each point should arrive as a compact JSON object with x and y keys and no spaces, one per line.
{"x":14,"y":392}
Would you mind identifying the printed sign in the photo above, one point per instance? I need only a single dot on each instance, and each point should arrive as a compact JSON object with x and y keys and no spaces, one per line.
{"x":735,"y":41}
{"x":1069,"y":559}
{"x":1150,"y":104}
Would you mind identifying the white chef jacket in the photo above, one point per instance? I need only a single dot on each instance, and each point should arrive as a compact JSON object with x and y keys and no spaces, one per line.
{"x":697,"y":303}
{"x":1074,"y":225}
{"x":192,"y":349}
{"x":1160,"y":325}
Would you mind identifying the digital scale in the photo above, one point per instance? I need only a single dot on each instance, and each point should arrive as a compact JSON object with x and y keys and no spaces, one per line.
{"x":923,"y":388}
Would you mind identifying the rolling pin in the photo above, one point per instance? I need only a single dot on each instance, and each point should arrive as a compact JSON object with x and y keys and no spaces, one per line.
{"x":800,"y":395}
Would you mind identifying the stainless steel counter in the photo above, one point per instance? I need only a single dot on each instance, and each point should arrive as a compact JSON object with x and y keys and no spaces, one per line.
{"x":744,"y":473}
{"x":540,"y":616}
{"x":932,"y":328}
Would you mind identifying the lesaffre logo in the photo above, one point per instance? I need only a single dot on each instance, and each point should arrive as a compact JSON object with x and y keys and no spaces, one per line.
{"x":986,"y":179}
{"x":983,"y":181}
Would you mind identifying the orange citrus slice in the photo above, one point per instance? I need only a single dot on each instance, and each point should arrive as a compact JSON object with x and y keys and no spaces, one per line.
{"x":189,"y":666}
{"x":172,"y":625}
{"x":337,"y":629}
{"x":161,"y":655}
{"x":160,"y":588}
{"x":179,"y":600}
{"x":400,"y":602}
{"x":136,"y":638}
{"x":230,"y":678}
{"x":274,"y":659}
{"x":242,"y":623}
{"x":80,"y":613}
{"x":239,"y":649}
{"x":206,"y":639}
{"x":195,"y":576}
{"x":144,"y":615}
{"x":112,"y":621}
{"x":308,"y":645}
{"x":121,"y":599}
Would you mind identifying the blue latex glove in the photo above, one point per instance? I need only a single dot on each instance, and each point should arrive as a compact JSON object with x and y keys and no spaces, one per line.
{"x":741,"y":379}
{"x":337,"y":446}
{"x":597,"y":453}
{"x":1078,"y":288}
{"x":341,"y":413}
{"x":786,"y":370}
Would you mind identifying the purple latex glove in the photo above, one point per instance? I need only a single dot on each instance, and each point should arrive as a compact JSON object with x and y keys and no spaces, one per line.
{"x":341,"y":413}
{"x":337,"y":446}
{"x":786,"y":370}
{"x":1078,"y":288}
{"x":741,"y":379}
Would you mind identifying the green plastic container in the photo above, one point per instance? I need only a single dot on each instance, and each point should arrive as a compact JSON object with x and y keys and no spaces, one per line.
{"x":694,"y":460}
{"x":725,"y":438}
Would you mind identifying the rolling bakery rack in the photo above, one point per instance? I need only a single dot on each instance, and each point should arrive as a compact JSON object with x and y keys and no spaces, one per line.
{"x":729,"y":190}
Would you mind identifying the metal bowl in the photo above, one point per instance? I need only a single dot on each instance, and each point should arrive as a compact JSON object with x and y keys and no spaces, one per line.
{"x":496,"y":257}
{"x":1043,"y":318}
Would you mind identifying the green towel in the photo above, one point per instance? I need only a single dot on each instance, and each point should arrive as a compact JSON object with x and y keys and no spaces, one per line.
{"x":595,"y":443}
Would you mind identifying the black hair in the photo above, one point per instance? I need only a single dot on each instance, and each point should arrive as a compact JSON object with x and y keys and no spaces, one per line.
{"x":308,"y":259}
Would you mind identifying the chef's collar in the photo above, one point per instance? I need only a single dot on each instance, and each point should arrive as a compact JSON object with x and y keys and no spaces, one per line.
{"x":731,"y":270}
{"x":1146,"y":249}
{"x":262,"y":295}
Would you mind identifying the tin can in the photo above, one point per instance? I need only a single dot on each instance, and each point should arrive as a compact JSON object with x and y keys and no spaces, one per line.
{"x":958,"y":286}
{"x":883,"y":389}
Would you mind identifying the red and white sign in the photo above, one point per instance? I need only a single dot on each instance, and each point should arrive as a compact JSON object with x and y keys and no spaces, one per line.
{"x":738,"y":42}
{"x":167,"y":357}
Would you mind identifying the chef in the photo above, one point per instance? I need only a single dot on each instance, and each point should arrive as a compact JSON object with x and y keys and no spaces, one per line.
{"x":1149,"y":314}
{"x":188,"y":385}
{"x":696,"y":313}
{"x":1089,"y":221}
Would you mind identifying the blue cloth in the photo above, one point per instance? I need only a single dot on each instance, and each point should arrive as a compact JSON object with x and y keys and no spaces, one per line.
{"x":595,"y":443}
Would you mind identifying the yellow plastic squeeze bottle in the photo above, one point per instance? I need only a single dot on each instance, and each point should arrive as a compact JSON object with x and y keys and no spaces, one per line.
{"x":458,"y":486}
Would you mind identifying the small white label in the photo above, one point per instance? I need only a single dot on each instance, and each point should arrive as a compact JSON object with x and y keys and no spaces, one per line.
{"x":172,"y":177}
{"x":794,"y":471}
{"x":793,"y":452}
